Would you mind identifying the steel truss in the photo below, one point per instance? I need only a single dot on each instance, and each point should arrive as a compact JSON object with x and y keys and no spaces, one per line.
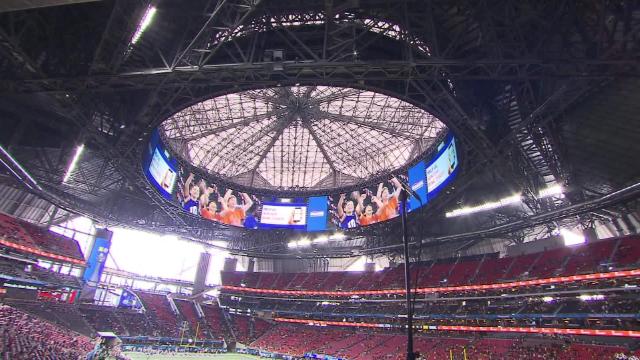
{"x":470,"y":63}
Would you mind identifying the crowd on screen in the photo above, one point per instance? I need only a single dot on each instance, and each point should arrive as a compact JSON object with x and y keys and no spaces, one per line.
{"x":359,"y":208}
{"x":365,"y":208}
{"x":206,"y":200}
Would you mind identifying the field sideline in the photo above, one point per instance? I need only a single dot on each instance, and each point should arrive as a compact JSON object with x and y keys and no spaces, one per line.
{"x":140,"y":356}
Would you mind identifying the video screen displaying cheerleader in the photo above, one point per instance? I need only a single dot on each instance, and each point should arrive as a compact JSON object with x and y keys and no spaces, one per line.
{"x":365,"y":207}
{"x":215,"y":203}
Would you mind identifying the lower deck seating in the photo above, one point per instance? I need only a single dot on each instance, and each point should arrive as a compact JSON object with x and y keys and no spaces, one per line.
{"x":24,"y":337}
{"x":160,"y":312}
{"x":214,"y":318}
{"x":63,"y":314}
{"x":104,"y":318}
{"x":358,"y":345}
{"x":188,"y":311}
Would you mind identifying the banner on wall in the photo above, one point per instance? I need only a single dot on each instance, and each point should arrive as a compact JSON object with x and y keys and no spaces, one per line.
{"x":97,"y":256}
{"x":128,"y":300}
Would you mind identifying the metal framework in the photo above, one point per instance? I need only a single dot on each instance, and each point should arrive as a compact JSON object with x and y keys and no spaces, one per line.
{"x":501,"y":75}
{"x":296,"y":137}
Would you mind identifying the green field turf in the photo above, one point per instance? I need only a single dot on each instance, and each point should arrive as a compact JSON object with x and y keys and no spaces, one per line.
{"x":140,"y":356}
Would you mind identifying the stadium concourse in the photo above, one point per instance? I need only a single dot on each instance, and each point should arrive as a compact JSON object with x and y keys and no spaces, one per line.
{"x":319,"y":179}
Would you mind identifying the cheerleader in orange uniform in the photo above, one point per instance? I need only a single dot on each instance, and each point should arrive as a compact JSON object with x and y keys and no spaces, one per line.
{"x":367,"y":217}
{"x":389,"y":201}
{"x":211,"y":212}
{"x":232,"y":213}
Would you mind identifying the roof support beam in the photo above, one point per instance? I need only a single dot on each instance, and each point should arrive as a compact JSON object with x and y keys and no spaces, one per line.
{"x":245,"y":122}
{"x":322,"y":149}
{"x":351,"y":120}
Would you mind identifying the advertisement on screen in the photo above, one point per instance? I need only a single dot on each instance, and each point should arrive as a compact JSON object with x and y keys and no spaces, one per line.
{"x":442,"y":167}
{"x":160,"y":167}
{"x":283,"y":215}
{"x":161,"y":172}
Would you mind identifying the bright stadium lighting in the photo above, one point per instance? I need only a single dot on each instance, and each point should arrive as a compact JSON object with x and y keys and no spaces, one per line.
{"x":292,"y":244}
{"x":571,"y":238}
{"x":547,"y":299}
{"x":73,"y":163}
{"x":338,"y":236}
{"x":169,"y":237}
{"x":322,"y":239}
{"x":553,"y":190}
{"x":304,"y":242}
{"x":155,"y":254}
{"x":585,"y":297}
{"x":513,"y":199}
{"x":144,"y":23}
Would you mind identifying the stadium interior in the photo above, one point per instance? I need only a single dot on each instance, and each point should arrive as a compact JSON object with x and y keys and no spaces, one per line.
{"x":326,"y":179}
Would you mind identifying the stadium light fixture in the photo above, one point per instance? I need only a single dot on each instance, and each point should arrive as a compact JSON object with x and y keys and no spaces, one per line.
{"x":585,"y":297}
{"x":513,"y":199}
{"x":73,"y":163}
{"x":19,"y":167}
{"x":304,"y":242}
{"x":553,"y":190}
{"x":338,"y":236}
{"x":571,"y":238}
{"x":144,"y":23}
{"x":322,"y":239}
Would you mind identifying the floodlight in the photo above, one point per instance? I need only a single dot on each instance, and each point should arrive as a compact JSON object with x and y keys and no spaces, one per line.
{"x":553,"y":190}
{"x":509,"y":200}
{"x":572,"y":238}
{"x":73,"y":163}
{"x":144,"y":23}
{"x":321,"y":239}
{"x":304,"y":242}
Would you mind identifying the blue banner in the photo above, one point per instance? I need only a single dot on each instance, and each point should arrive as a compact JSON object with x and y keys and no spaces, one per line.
{"x":128,"y":300}
{"x":317,"y":213}
{"x":98,"y":256}
{"x":418,"y":183}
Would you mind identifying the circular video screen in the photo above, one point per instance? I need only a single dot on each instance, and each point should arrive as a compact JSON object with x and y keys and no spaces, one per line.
{"x":354,"y":147}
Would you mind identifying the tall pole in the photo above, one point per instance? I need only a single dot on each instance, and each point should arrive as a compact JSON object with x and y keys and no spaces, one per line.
{"x":407,"y":276}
